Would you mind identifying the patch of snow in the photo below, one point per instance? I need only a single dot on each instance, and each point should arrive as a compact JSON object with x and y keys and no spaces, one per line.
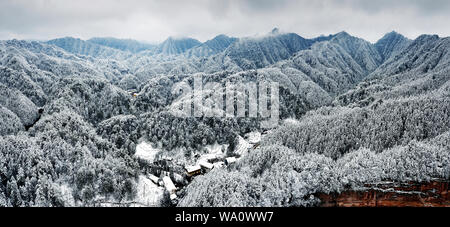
{"x":191,"y":169}
{"x":148,"y":193}
{"x":290,"y":121}
{"x":153,"y":178}
{"x":206,"y":165}
{"x":214,"y":152}
{"x":67,"y":195}
{"x":215,"y":148}
{"x":146,"y":151}
{"x":231,"y":160}
{"x":242,"y":147}
{"x":219,"y":164}
{"x":169,"y":184}
{"x":253,"y":137}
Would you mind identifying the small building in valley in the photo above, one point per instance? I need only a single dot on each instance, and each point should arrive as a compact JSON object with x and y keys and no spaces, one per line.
{"x":193,"y":170}
{"x":153,"y":178}
{"x":230,"y":160}
{"x":219,"y":164}
{"x":206,"y":165}
{"x":168,"y":184}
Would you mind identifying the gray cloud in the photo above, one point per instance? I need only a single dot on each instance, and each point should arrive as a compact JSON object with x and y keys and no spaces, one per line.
{"x":422,"y":6}
{"x":155,"y":20}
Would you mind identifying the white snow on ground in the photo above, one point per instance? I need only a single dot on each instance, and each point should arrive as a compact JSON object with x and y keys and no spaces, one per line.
{"x":253,"y":137}
{"x":67,"y":195}
{"x":169,"y":184}
{"x":214,"y":151}
{"x":215,"y":148}
{"x":146,"y":151}
{"x":290,"y":121}
{"x":217,"y":151}
{"x":242,"y":147}
{"x":148,"y":193}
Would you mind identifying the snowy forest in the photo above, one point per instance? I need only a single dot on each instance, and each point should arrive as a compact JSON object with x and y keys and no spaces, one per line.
{"x":93,"y":122}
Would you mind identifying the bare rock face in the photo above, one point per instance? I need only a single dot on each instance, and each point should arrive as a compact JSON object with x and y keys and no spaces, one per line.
{"x":432,"y":194}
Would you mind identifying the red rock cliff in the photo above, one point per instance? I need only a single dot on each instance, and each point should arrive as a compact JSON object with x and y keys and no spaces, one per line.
{"x":388,"y":194}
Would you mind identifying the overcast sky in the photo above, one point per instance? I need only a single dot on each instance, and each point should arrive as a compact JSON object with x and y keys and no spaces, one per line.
{"x":155,"y":20}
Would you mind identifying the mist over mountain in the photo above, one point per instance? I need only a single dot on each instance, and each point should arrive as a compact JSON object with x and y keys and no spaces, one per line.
{"x":130,"y":45}
{"x":351,"y":113}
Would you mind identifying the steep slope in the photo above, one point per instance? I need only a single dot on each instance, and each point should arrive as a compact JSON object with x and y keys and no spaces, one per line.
{"x":220,"y":43}
{"x":391,"y":44}
{"x":81,"y":47}
{"x":22,"y":82}
{"x":363,"y":52}
{"x":20,"y":105}
{"x":38,"y":64}
{"x":425,"y":54}
{"x":211,"y":47}
{"x":335,"y":65}
{"x":10,"y":124}
{"x":94,"y":100}
{"x":253,"y":53}
{"x":422,"y":67}
{"x":33,"y":49}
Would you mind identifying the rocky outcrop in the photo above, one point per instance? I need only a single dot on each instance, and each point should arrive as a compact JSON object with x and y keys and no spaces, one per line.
{"x":389,"y":194}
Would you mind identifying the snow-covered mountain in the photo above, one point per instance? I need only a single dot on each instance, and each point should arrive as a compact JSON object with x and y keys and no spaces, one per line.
{"x":421,"y":67}
{"x":258,"y":52}
{"x":81,"y":47}
{"x":427,"y":53}
{"x":391,"y":44}
{"x":129,"y":45}
{"x":220,"y":43}
{"x":351,"y":113}
{"x":211,"y":47}
{"x":174,"y":46}
{"x":363,"y":52}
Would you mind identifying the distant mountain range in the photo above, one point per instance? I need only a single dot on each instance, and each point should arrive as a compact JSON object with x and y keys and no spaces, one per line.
{"x":351,"y":113}
{"x":334,"y":63}
{"x":129,"y":45}
{"x":314,"y":70}
{"x":244,"y":53}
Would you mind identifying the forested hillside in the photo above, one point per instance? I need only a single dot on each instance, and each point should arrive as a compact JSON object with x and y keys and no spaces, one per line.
{"x":73,"y":113}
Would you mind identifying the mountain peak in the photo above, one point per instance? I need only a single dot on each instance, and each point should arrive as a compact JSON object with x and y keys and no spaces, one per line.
{"x":220,"y":42}
{"x":129,"y":45}
{"x":391,"y":44}
{"x":392,"y":35}
{"x":393,"y":32}
{"x":177,"y":45}
{"x":427,"y":37}
{"x":275,"y":31}
{"x":179,"y":39}
{"x":343,"y":37}
{"x":342,"y":34}
{"x":66,"y":38}
{"x":221,"y":36}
